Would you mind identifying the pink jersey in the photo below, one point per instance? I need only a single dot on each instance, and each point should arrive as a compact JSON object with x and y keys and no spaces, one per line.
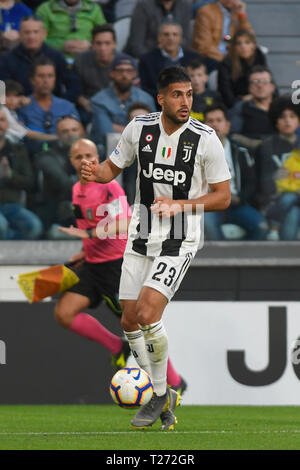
{"x":94,"y":203}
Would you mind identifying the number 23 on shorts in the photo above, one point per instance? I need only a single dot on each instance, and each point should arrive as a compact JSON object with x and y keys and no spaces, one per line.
{"x":160,"y":273}
{"x":170,"y":272}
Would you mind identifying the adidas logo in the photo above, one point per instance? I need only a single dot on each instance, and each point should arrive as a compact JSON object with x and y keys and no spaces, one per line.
{"x":147,"y":148}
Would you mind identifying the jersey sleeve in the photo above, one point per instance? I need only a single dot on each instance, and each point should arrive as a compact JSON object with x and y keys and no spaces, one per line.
{"x":124,"y":153}
{"x":215,"y":165}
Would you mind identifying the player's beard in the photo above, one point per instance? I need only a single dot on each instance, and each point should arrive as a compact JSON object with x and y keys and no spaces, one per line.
{"x":173,"y":117}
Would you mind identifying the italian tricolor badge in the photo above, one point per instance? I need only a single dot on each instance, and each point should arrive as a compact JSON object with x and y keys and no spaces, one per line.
{"x":166,"y":152}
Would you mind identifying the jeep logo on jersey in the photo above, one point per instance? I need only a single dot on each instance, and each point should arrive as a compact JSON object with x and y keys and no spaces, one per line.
{"x":165,"y":175}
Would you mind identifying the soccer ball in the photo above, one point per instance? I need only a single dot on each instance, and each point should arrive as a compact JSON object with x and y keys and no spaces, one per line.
{"x":131,"y":387}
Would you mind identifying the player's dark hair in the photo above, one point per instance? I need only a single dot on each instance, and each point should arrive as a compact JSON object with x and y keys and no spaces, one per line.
{"x":196,"y":64}
{"x":218,"y":106}
{"x":12,"y":87}
{"x":279,"y":105}
{"x":41,"y":60}
{"x":103,"y":28}
{"x":172,"y":75}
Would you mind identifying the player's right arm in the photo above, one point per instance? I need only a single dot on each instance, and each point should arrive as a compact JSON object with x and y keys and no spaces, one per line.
{"x":100,"y":172}
{"x":121,"y":157}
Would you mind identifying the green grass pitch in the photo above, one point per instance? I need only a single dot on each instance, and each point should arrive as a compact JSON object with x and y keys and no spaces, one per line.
{"x":107,"y":427}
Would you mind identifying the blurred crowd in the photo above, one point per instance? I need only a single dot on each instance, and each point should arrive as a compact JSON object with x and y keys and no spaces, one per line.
{"x":75,"y":68}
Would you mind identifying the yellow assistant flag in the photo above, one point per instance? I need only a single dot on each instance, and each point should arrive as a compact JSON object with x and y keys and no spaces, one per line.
{"x":38,"y":285}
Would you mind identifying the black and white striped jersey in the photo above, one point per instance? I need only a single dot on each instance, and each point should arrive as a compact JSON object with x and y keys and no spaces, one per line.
{"x":177,"y":166}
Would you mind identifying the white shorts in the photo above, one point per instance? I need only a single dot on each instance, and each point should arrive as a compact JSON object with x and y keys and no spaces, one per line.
{"x":162,"y":273}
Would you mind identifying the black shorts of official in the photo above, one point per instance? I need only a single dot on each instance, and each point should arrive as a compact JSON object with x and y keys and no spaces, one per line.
{"x":98,"y":282}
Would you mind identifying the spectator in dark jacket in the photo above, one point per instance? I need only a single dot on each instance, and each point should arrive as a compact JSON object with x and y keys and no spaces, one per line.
{"x":15,"y":64}
{"x":169,"y":53}
{"x":282,"y":208}
{"x":234,"y":70}
{"x":58,"y":176}
{"x":93,"y":67}
{"x":242,"y":185}
{"x":146,"y":19}
{"x":16,"y":178}
{"x":250,"y":122}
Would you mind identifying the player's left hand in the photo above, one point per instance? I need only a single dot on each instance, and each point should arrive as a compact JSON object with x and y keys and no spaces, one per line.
{"x":165,"y":207}
{"x":74,"y":232}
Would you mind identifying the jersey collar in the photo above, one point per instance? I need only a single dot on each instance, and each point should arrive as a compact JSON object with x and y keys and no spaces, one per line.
{"x":179,"y":130}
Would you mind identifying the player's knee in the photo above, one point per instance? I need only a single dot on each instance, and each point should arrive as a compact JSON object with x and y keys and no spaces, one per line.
{"x":126,"y":323}
{"x":128,"y":320}
{"x":63,"y":317}
{"x":145,"y":313}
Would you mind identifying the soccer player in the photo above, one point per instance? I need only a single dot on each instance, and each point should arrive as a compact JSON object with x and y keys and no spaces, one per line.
{"x":179,"y":159}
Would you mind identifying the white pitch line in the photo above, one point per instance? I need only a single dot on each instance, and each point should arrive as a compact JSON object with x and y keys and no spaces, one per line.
{"x":99,"y":433}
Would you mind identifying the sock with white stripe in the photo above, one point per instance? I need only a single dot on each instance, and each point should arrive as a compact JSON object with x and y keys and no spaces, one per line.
{"x":156,"y":341}
{"x":137,"y":345}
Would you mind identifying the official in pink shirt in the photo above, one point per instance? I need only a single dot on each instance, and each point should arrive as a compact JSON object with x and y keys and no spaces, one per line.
{"x":102,"y":217}
{"x":97,"y":206}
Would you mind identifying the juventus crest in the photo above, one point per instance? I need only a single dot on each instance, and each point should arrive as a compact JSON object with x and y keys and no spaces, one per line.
{"x":187,"y":150}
